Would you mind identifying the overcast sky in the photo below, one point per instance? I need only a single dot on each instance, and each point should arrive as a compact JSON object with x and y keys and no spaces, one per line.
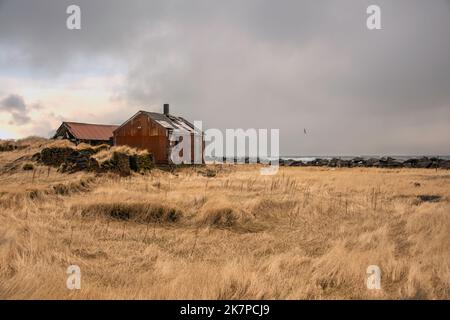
{"x":236,"y":64}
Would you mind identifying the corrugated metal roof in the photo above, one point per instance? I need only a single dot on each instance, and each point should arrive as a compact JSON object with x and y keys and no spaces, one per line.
{"x":87,"y":131}
{"x":172,"y":122}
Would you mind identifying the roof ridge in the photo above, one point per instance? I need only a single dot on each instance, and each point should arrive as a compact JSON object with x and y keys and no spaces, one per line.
{"x":92,"y":124}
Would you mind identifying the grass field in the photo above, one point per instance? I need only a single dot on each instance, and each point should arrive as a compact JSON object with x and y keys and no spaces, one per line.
{"x":305,"y":233}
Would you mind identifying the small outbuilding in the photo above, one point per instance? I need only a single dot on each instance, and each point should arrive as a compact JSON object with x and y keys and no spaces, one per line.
{"x":94,"y":134}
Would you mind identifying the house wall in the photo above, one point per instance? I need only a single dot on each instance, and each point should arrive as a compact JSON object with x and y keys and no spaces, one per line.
{"x":142,"y":132}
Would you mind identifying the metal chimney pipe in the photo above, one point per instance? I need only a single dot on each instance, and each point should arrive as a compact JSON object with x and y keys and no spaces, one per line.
{"x":166,"y":108}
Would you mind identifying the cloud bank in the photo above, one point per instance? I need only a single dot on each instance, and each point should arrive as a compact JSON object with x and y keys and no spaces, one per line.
{"x":251,"y":64}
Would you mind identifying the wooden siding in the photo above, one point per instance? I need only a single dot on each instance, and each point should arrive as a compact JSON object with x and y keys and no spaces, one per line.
{"x":142,"y":132}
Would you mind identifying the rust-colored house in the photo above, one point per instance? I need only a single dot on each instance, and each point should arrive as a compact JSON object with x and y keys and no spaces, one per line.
{"x":159,"y":133}
{"x":94,"y":134}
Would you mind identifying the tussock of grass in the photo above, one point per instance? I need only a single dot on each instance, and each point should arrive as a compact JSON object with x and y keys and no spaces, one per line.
{"x":108,"y":154}
{"x":66,"y":189}
{"x":142,"y":212}
{"x":273,"y":208}
{"x":221,"y":213}
{"x":59,"y":144}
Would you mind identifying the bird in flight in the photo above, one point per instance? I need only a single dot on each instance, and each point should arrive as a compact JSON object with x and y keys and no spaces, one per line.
{"x":304,"y":130}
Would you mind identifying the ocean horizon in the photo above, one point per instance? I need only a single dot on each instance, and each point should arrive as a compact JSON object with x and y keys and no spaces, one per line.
{"x":364,"y":157}
{"x":329,"y":157}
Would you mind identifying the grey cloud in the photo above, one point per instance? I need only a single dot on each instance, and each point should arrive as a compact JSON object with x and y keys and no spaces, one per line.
{"x":19,"y":119}
{"x":288,"y":64}
{"x":13,"y":103}
{"x":16,"y":107}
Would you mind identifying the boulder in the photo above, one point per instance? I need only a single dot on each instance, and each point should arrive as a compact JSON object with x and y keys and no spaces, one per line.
{"x":423,"y":162}
{"x":357,"y":162}
{"x":319,"y":162}
{"x":410,"y":163}
{"x":444,"y":164}
{"x":372,"y":162}
{"x":392,"y":163}
{"x":333,"y":162}
{"x":296,"y":163}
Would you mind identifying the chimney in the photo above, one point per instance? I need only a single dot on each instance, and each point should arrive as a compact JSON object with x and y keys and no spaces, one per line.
{"x":166,"y":108}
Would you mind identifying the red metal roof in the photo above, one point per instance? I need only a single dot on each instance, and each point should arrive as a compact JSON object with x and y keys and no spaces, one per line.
{"x":87,"y":131}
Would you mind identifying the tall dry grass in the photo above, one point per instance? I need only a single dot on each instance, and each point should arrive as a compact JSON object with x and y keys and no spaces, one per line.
{"x":306,"y":233}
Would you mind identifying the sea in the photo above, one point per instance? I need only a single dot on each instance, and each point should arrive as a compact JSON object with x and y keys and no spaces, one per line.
{"x":306,"y":159}
{"x":396,"y":157}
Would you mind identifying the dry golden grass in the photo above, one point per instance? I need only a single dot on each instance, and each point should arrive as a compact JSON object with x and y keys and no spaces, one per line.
{"x":306,"y":233}
{"x":107,"y":154}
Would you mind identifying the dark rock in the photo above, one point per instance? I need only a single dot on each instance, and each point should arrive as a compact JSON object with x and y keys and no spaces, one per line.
{"x":388,"y":162}
{"x":296,"y":163}
{"x":339,"y":163}
{"x":319,"y":162}
{"x":333,"y":162}
{"x":357,"y":162}
{"x":392,"y":163}
{"x":423,"y":163}
{"x":385,"y":162}
{"x":371,"y":162}
{"x":444,"y":164}
{"x":410,"y":163}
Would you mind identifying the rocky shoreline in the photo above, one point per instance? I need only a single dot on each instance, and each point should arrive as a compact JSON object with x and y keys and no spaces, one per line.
{"x":385,"y":162}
